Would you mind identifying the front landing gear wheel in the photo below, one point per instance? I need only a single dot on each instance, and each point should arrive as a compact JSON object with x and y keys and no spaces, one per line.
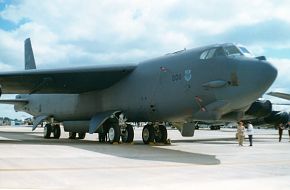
{"x":148,"y":134}
{"x":128,"y":134}
{"x":56,"y":131}
{"x":161,"y":134}
{"x":114,"y":133}
{"x":47,"y":131}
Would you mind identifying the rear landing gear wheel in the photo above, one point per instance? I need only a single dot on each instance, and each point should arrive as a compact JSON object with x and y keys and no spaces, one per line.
{"x":72,"y":135}
{"x":128,"y":134}
{"x":148,"y":134}
{"x":114,"y":133}
{"x":82,"y":135}
{"x":161,"y":134}
{"x":56,"y":131}
{"x":47,"y":131}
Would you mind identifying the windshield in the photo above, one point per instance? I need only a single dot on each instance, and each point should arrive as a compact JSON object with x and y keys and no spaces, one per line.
{"x":232,"y":50}
{"x":211,"y":53}
{"x":246,"y":52}
{"x":227,"y":50}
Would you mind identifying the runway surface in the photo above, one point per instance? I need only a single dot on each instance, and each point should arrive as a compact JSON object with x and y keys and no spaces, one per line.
{"x":210,"y":160}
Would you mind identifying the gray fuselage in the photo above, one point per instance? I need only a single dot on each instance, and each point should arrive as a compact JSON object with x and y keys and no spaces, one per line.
{"x":177,"y":87}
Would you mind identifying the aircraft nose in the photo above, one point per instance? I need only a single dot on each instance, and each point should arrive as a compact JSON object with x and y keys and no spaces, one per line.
{"x":257,"y":76}
{"x":265,"y":74}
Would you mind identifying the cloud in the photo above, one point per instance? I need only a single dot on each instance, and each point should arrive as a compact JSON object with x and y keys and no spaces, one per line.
{"x":269,"y":33}
{"x":71,"y":33}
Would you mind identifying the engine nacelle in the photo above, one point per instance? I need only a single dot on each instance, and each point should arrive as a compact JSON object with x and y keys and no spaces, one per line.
{"x":277,"y":117}
{"x":260,"y":108}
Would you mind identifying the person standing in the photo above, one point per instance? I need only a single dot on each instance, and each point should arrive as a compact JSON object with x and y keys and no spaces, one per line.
{"x":250,"y":131}
{"x":241,"y":133}
{"x":288,"y":125}
{"x":280,"y":131}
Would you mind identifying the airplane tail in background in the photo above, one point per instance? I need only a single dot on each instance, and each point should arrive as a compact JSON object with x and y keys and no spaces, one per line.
{"x":28,"y":55}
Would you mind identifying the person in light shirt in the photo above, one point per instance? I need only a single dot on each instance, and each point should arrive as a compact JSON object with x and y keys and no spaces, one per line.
{"x":250,"y":132}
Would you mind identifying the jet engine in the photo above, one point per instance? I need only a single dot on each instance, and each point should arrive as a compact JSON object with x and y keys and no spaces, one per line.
{"x":277,"y":117}
{"x":260,"y":108}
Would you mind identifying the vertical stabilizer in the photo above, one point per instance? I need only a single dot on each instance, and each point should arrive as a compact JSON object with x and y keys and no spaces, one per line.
{"x":28,"y":55}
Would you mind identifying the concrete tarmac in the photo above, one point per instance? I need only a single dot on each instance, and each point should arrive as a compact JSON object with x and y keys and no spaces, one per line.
{"x":210,"y":160}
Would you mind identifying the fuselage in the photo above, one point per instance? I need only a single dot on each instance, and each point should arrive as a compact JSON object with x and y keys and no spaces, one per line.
{"x":182,"y":86}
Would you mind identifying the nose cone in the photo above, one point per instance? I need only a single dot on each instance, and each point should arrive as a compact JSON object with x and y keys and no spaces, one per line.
{"x":256,"y":77}
{"x":264,"y":74}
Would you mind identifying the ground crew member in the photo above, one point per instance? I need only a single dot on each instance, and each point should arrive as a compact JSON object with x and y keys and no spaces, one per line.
{"x":288,"y":125}
{"x":250,"y":131}
{"x":241,"y":133}
{"x":280,"y":130}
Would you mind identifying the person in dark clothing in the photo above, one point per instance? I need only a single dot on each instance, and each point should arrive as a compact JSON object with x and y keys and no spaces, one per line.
{"x":280,"y":129}
{"x":288,"y":126}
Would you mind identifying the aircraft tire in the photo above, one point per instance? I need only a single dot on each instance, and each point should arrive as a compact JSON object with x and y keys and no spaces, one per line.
{"x":56,"y":131}
{"x":114,"y":133}
{"x":148,"y":135}
{"x":72,"y":135}
{"x":47,"y":131}
{"x":102,"y":137}
{"x":161,"y":136}
{"x":128,"y":135}
{"x":82,"y":135}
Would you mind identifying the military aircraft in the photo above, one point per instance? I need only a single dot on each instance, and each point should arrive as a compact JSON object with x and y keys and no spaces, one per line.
{"x":211,"y":83}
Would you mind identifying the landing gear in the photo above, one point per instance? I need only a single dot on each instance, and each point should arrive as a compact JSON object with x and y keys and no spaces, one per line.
{"x":151,"y":134}
{"x":47,"y":131}
{"x":114,"y":133}
{"x":73,"y":135}
{"x":148,"y":134}
{"x":103,"y":137}
{"x":51,"y":129}
{"x":127,"y":134}
{"x":56,"y":131}
{"x":161,"y":134}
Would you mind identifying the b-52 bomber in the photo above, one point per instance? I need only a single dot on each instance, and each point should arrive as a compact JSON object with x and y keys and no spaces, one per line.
{"x":213,"y":83}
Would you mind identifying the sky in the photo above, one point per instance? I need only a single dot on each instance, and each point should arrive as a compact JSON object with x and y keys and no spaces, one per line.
{"x":67,"y":33}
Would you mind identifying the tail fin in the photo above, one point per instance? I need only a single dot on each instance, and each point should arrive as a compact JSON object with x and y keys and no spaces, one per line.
{"x":28,"y":55}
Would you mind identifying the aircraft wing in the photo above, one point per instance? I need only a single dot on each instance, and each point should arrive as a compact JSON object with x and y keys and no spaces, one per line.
{"x":280,"y":95}
{"x":70,"y":80}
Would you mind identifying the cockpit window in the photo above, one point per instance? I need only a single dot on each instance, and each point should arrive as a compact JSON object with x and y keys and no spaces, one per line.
{"x":227,"y":50}
{"x":232,"y":50}
{"x":203,"y":55}
{"x":246,"y":52}
{"x":211,"y":53}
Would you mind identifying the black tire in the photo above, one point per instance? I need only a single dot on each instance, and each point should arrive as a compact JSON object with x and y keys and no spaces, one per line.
{"x":128,"y":134}
{"x":148,"y":134}
{"x":56,"y":131}
{"x":72,"y":135}
{"x":114,"y":133}
{"x":161,"y":135}
{"x":102,"y":137}
{"x":47,"y":131}
{"x":82,"y":135}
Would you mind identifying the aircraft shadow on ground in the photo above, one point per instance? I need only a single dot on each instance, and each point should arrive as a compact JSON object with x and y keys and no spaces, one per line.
{"x":136,"y":151}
